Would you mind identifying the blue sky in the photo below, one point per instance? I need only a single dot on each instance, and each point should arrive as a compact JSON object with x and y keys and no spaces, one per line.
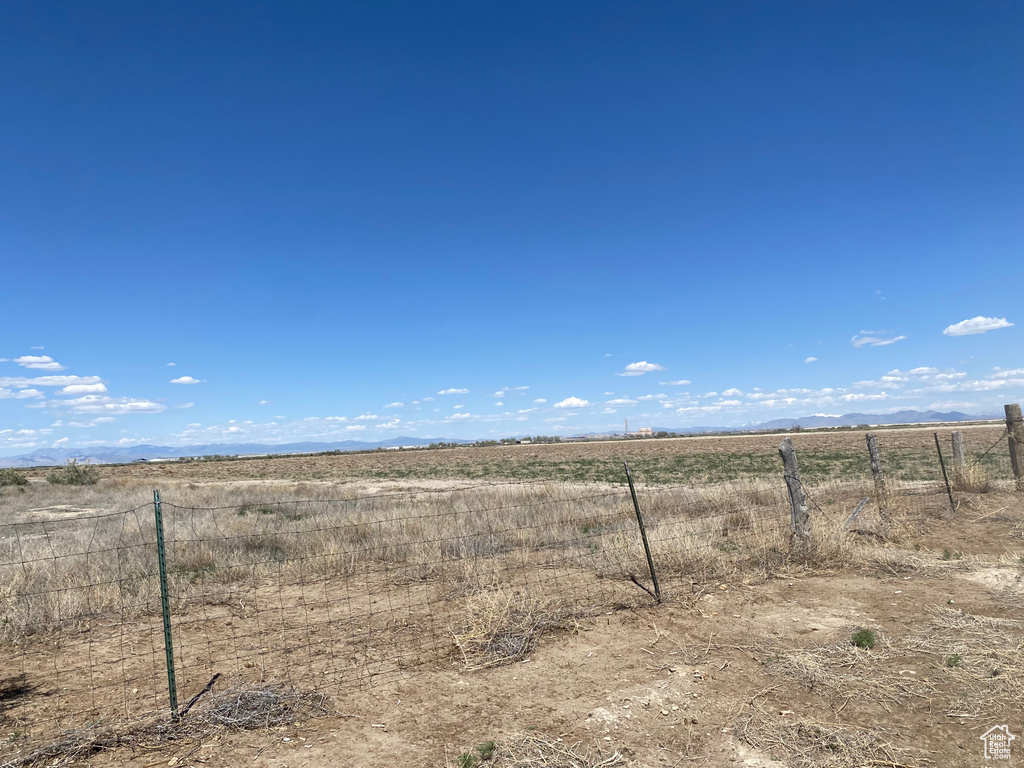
{"x":362,"y":220}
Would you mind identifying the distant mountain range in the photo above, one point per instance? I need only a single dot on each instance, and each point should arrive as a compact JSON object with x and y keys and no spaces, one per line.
{"x":115,"y":455}
{"x":846,"y":420}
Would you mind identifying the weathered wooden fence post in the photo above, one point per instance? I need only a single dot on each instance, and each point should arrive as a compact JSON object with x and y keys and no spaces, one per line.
{"x":800,"y":523}
{"x":880,"y":491}
{"x":959,"y":460}
{"x":1015,"y":428}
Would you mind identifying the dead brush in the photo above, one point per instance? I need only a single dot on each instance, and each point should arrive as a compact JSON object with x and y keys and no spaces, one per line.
{"x":971,"y":478}
{"x":260,"y":706}
{"x":535,"y":750}
{"x":840,"y":671}
{"x":818,"y":745}
{"x":245,"y":707}
{"x":989,"y":671}
{"x":502,"y":627}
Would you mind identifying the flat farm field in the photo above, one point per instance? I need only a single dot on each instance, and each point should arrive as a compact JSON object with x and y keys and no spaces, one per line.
{"x":907,"y":453}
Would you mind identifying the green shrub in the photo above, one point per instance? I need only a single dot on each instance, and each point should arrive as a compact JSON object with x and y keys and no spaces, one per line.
{"x":863,"y":638}
{"x":12,"y":477}
{"x":74,"y":473}
{"x":954,"y":660}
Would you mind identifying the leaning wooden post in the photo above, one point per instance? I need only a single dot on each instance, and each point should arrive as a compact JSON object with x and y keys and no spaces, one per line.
{"x":800,"y":523}
{"x":1015,"y":429}
{"x":959,"y":460}
{"x":880,"y":491}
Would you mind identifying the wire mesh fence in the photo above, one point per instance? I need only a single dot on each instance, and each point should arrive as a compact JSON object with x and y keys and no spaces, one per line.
{"x":332,"y":594}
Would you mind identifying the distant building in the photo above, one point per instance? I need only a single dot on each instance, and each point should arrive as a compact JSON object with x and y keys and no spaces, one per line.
{"x":644,"y":432}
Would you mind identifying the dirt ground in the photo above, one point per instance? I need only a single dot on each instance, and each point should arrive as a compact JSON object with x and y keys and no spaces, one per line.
{"x":740,"y":674}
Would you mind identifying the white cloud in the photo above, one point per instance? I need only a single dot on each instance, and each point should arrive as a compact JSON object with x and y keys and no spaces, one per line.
{"x":429,"y":399}
{"x":572,"y":402}
{"x":499,"y":393}
{"x":644,"y":367}
{"x":185,"y":380}
{"x":659,"y":396}
{"x":679,"y":383}
{"x":186,"y":405}
{"x":395,"y":405}
{"x":951,"y":405}
{"x":811,"y":360}
{"x":110,"y":405}
{"x":639,"y":369}
{"x":83,"y":389}
{"x":862,"y":397}
{"x":522,"y":388}
{"x":263,"y":402}
{"x":22,"y":394}
{"x":171,"y":365}
{"x":732,"y":392}
{"x":1012,"y":373}
{"x":540,"y":400}
{"x":457,"y":407}
{"x":459,"y":416}
{"x":621,"y":401}
{"x":39,"y":362}
{"x":977,"y":324}
{"x":367,"y":417}
{"x":498,"y":403}
{"x":61,"y":441}
{"x":453,"y":391}
{"x":874,"y":339}
{"x":21,"y":382}
{"x":355,"y":427}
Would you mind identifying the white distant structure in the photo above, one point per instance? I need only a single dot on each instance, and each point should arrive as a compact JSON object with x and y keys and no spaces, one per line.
{"x":644,"y":432}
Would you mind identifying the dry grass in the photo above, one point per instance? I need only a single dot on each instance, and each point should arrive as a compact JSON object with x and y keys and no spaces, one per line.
{"x":841,"y":671}
{"x":989,"y":653}
{"x":247,"y":708}
{"x":535,"y":750}
{"x":988,"y":670}
{"x":63,"y":562}
{"x":502,"y":627}
{"x":819,"y":745}
{"x":971,"y":478}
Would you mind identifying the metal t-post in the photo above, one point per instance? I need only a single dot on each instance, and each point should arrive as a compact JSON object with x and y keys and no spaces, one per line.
{"x":165,"y":605}
{"x":643,"y":535}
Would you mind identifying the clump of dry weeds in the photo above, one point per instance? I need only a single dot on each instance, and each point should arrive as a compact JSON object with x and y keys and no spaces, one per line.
{"x":971,"y":478}
{"x":501,"y":627}
{"x":818,"y":745}
{"x":536,"y":750}
{"x":248,"y":707}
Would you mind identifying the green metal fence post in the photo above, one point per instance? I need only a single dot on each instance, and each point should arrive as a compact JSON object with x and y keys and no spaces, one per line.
{"x":942,"y":463}
{"x":643,"y":534}
{"x":165,"y":605}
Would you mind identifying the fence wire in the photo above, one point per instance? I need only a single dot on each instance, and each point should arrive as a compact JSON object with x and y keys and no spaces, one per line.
{"x":332,"y":595}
